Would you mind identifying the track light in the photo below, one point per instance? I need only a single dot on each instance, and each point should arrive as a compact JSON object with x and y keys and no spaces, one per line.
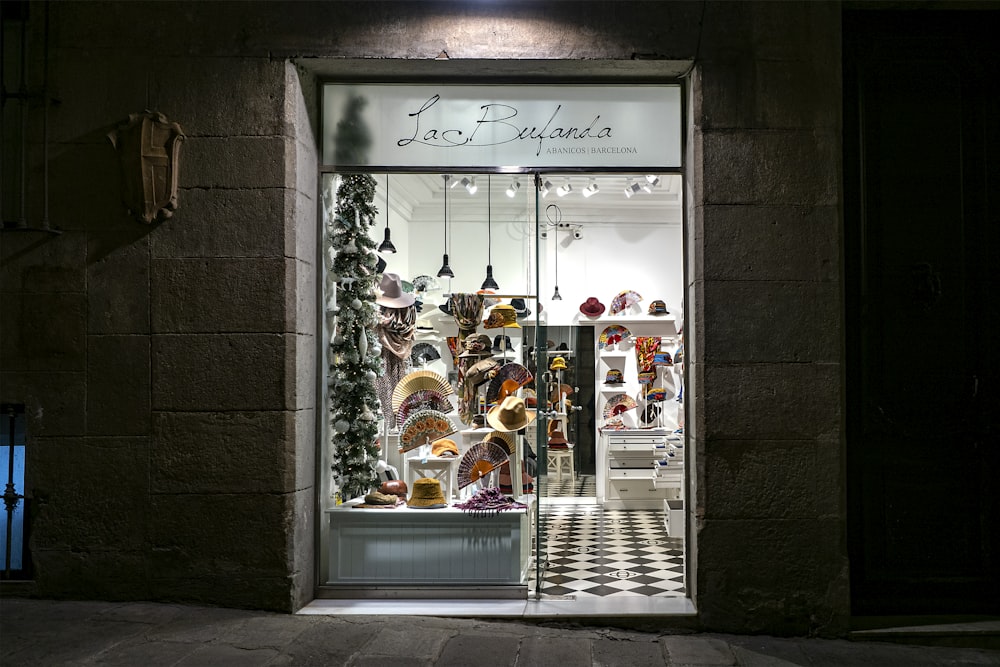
{"x":591,"y":189}
{"x":471,"y":186}
{"x":513,"y":188}
{"x":631,"y":188}
{"x":653,"y":180}
{"x":544,"y":189}
{"x":456,"y":183}
{"x":564,"y":189}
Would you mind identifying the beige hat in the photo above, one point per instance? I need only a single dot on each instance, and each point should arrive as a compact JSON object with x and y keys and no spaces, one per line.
{"x":427,"y":494}
{"x":393,"y":295}
{"x":510,"y":415}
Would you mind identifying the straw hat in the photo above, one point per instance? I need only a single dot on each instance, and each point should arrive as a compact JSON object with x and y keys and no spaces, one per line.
{"x":510,"y":415}
{"x":427,"y":494}
{"x":393,"y":295}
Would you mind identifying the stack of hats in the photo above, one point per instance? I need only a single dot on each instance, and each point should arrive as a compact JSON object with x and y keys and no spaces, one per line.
{"x":558,"y":441}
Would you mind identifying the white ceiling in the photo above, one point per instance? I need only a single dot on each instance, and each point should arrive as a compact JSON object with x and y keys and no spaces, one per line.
{"x":421,"y":198}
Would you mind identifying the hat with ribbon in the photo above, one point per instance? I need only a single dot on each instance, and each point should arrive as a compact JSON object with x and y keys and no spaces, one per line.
{"x":614,"y":376}
{"x":427,"y":494}
{"x":480,"y":372}
{"x":558,"y":364}
{"x":393,"y":295}
{"x":592,"y":307}
{"x":520,"y":307}
{"x":657,"y":307}
{"x":477,"y":345}
{"x":510,"y":415}
{"x":502,"y":315}
{"x":444,"y":447}
{"x":502,"y":344}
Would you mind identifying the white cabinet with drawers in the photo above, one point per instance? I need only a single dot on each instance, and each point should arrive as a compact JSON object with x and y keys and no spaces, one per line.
{"x":632,"y":475}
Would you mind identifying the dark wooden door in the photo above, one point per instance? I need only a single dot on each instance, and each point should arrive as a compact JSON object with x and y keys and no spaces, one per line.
{"x":922,"y":171}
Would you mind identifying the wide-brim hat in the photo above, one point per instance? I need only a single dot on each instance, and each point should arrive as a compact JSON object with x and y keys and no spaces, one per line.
{"x":557,"y":438}
{"x":502,"y":315}
{"x":393,"y":295}
{"x":477,"y":345}
{"x":427,"y":494}
{"x":510,"y":415}
{"x":520,"y":307}
{"x":592,"y":307}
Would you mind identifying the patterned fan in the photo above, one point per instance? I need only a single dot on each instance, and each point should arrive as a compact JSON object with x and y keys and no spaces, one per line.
{"x":505,"y":440}
{"x":650,"y":414}
{"x":423,"y":353}
{"x":623,"y":301}
{"x":423,"y":427}
{"x":615,"y":333}
{"x":423,"y":399}
{"x":618,"y":404}
{"x":509,"y":372}
{"x":481,"y":458}
{"x":416,"y":381}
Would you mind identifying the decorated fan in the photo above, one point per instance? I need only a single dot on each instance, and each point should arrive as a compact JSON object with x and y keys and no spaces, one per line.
{"x":502,"y":382}
{"x":650,"y":414}
{"x":656,"y":394}
{"x":480,"y":460}
{"x":416,"y":381}
{"x":623,"y":301}
{"x":615,"y":333}
{"x":423,"y":427}
{"x":618,"y":404}
{"x":505,"y":440}
{"x":423,"y":353}
{"x":423,"y":399}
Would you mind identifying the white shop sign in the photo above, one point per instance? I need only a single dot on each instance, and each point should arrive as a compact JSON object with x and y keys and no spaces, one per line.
{"x":527,"y":126}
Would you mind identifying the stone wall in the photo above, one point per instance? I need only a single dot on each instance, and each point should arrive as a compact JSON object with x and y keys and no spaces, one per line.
{"x":170,"y":370}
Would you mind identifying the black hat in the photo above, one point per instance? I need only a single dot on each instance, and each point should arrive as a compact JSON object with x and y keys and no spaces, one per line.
{"x":521,"y":308}
{"x":501,"y":344}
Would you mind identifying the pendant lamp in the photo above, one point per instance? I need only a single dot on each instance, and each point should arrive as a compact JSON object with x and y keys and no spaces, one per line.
{"x":555,"y":217}
{"x":386,"y":245}
{"x":489,"y":283}
{"x":445,"y":270}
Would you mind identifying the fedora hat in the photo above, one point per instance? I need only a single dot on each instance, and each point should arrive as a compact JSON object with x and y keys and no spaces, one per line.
{"x":393,"y":295}
{"x":558,"y":441}
{"x":510,"y":415}
{"x":427,"y":494}
{"x":592,"y":307}
{"x":520,"y":307}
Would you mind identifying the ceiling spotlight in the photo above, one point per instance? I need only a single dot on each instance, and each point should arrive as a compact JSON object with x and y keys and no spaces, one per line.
{"x":653,"y":180}
{"x":513,"y":188}
{"x":546,"y":186}
{"x":632,"y":188}
{"x":591,"y":189}
{"x":471,"y":186}
{"x":564,"y":189}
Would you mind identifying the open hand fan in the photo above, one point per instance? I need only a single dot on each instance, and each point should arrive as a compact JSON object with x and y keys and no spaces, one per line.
{"x":623,"y":301}
{"x":423,"y":353}
{"x":416,"y":381}
{"x":618,"y":404}
{"x":481,"y":459}
{"x":424,"y":427}
{"x":650,"y":414}
{"x":505,"y":440}
{"x":423,"y":399}
{"x":508,"y":373}
{"x":615,"y":333}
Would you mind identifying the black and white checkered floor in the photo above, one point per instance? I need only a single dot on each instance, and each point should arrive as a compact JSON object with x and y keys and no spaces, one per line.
{"x":582,"y":486}
{"x":597,"y":552}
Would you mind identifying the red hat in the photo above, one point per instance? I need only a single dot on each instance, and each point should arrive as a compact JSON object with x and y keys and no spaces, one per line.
{"x":591,"y":307}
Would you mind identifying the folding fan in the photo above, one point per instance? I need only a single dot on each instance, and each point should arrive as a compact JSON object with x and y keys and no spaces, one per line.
{"x":650,"y":414}
{"x":423,"y":353}
{"x":416,"y":381}
{"x":423,"y":399}
{"x":615,"y":333}
{"x":623,"y":301}
{"x":505,"y":440}
{"x":481,"y":459}
{"x":618,"y":404}
{"x":510,"y":372}
{"x":423,"y":427}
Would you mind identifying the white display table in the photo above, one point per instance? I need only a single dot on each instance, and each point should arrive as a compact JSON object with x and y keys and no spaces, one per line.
{"x":428,"y":546}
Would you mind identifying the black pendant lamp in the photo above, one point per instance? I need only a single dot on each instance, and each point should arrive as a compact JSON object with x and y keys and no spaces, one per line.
{"x":386,"y":245}
{"x":445,"y":270}
{"x":489,"y":283}
{"x":555,"y":217}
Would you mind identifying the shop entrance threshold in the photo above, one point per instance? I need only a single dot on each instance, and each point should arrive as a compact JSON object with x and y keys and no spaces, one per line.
{"x":546,"y":607}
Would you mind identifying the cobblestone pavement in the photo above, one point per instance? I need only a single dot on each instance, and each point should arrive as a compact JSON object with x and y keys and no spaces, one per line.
{"x":40,"y":633}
